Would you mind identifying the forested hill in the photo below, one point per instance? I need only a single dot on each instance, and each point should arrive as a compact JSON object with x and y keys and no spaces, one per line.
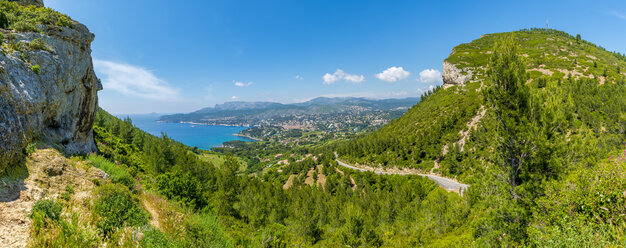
{"x":535,"y":121}
{"x":447,"y":125}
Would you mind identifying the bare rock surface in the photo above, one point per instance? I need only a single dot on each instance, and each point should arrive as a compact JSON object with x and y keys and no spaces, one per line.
{"x":48,"y":93}
{"x":452,"y":75}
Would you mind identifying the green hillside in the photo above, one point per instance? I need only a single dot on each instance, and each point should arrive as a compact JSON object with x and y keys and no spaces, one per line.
{"x":539,"y":132}
{"x":560,"y":67}
{"x":550,"y":53}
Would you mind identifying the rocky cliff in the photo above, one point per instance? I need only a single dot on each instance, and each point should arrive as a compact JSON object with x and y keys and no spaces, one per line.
{"x":455,"y":76}
{"x":48,"y":88}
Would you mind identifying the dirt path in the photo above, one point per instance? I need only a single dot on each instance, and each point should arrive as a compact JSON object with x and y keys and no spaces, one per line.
{"x":470,"y":126}
{"x":443,"y":182}
{"x":45,"y":175}
{"x":154,"y":215}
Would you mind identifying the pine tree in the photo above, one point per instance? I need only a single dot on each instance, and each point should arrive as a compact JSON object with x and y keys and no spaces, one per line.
{"x":508,"y":97}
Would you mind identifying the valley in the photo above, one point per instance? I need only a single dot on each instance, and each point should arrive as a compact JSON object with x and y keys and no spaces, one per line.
{"x":520,"y":140}
{"x":268,"y":120}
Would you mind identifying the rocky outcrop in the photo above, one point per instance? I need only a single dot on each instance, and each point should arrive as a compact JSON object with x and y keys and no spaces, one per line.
{"x":455,"y":76}
{"x":48,"y":91}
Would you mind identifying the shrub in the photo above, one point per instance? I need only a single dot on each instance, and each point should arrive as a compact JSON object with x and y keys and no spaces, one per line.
{"x":4,"y":20}
{"x":39,"y":44}
{"x":203,"y":230}
{"x":24,"y":26}
{"x":155,"y":238}
{"x":25,"y":18}
{"x":30,"y":148}
{"x":35,"y":69}
{"x":69,"y":189}
{"x":63,"y":21}
{"x":183,"y":188}
{"x":47,"y":208}
{"x":116,"y":207}
{"x":117,"y":173}
{"x":66,"y":196}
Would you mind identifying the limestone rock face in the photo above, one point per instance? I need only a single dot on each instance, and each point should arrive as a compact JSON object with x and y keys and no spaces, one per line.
{"x":455,"y":76}
{"x":48,"y":93}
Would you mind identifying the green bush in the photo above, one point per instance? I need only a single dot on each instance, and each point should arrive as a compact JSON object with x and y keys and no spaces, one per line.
{"x":47,"y":208}
{"x":30,"y":148}
{"x":203,"y":230}
{"x":153,"y":238}
{"x":183,"y":188}
{"x":35,"y":69}
{"x":66,"y":196}
{"x":63,"y":21}
{"x":24,"y":26}
{"x":26,"y":18}
{"x":38,"y":44}
{"x":117,"y":173}
{"x":69,"y":189}
{"x":4,"y":21}
{"x":116,"y":207}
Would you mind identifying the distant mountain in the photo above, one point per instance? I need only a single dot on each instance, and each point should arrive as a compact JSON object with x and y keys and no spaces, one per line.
{"x":239,"y":105}
{"x":307,"y":113}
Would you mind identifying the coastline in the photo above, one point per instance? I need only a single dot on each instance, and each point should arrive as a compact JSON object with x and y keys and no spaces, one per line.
{"x":247,"y":137}
{"x":202,"y":123}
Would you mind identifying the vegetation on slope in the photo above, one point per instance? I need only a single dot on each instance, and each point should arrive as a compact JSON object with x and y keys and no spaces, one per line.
{"x":373,"y":210}
{"x":432,"y":129}
{"x":539,"y":135}
{"x":22,"y":18}
{"x":537,"y":165}
{"x":551,"y":53}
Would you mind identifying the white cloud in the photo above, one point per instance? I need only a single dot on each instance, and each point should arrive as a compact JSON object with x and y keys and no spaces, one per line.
{"x":298,"y":77}
{"x":619,"y":15}
{"x":341,"y":75}
{"x":393,"y":74}
{"x":234,"y":97}
{"x":133,"y":80}
{"x":430,"y":76}
{"x":242,"y":84}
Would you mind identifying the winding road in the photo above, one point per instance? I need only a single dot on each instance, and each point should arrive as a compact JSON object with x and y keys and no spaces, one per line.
{"x":443,"y":182}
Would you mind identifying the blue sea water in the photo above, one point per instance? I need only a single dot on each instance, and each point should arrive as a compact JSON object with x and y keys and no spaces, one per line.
{"x":202,"y":136}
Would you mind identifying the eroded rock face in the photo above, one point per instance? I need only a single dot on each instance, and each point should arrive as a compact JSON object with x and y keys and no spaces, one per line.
{"x":455,"y":76}
{"x":57,"y":102}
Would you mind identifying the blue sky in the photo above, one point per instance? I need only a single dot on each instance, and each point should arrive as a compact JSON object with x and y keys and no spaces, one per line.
{"x":179,"y":56}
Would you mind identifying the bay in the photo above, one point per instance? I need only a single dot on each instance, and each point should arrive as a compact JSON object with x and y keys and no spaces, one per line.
{"x":202,"y":136}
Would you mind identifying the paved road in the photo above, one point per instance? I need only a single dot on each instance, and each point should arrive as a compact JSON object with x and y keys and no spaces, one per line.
{"x":445,"y":183}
